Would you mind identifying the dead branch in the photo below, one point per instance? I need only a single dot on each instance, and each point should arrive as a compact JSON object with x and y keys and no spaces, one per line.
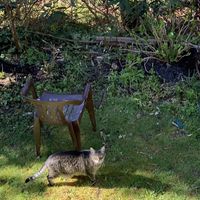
{"x":61,"y":38}
{"x":112,"y":41}
{"x":90,"y":9}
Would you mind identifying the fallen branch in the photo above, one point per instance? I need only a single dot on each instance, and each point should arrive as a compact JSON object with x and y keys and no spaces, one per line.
{"x":192,"y":45}
{"x":116,"y":41}
{"x":61,"y":38}
{"x":139,"y":51}
{"x":123,"y":40}
{"x":197,"y":68}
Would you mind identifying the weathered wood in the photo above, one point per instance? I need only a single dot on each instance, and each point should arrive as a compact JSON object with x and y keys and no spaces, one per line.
{"x":105,"y":40}
{"x":127,"y":40}
{"x":60,"y":109}
{"x":120,"y":40}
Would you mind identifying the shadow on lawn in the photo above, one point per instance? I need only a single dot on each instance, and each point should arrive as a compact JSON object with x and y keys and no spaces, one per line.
{"x":119,"y":181}
{"x":17,"y":185}
{"x":104,"y":181}
{"x":19,"y":151}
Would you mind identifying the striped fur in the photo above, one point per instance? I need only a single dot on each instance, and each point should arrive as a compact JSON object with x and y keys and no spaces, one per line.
{"x":31,"y":178}
{"x":72,"y":163}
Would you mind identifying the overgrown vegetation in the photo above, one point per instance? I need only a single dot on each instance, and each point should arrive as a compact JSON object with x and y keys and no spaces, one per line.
{"x":145,"y":77}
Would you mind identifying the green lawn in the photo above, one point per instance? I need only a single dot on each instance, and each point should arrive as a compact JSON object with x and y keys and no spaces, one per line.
{"x":147,"y":157}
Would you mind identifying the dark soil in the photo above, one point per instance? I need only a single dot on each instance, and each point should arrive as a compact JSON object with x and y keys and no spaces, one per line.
{"x":176,"y":71}
{"x":16,"y":68}
{"x":166,"y":72}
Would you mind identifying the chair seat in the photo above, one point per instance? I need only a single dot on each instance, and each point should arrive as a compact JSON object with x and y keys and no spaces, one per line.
{"x":71,"y":112}
{"x":48,"y":96}
{"x":59,"y":109}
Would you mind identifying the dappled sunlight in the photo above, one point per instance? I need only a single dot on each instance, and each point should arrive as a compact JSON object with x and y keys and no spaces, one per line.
{"x":140,"y":61}
{"x":138,"y":184}
{"x":141,"y":159}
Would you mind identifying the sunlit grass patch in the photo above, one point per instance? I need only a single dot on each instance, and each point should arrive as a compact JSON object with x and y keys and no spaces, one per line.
{"x":144,"y":160}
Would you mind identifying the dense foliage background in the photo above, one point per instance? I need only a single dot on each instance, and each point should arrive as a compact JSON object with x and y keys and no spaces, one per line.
{"x":142,"y":58}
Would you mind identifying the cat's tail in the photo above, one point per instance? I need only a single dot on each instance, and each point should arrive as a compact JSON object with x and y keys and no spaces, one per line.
{"x":31,"y":178}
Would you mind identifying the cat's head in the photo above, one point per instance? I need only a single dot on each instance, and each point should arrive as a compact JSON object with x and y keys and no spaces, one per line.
{"x":97,"y":156}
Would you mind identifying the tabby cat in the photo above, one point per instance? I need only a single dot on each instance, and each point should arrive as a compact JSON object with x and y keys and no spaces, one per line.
{"x":71,"y":163}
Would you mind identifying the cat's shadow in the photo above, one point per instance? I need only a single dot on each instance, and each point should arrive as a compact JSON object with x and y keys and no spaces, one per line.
{"x":77,"y":181}
{"x":118,"y":181}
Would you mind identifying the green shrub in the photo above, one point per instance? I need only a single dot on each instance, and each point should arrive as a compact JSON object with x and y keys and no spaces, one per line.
{"x":33,"y":56}
{"x":162,"y":40}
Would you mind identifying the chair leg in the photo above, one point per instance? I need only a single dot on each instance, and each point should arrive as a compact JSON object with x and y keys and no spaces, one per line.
{"x":76,"y":127}
{"x":37,"y":134}
{"x":73,"y":136}
{"x":90,"y":109}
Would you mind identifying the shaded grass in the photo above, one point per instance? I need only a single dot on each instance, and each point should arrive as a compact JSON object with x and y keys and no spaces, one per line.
{"x":146,"y":158}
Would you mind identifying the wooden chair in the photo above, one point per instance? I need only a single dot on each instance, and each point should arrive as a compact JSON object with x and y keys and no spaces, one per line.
{"x":59,"y":109}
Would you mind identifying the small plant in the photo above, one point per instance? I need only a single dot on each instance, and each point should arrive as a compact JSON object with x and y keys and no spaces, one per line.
{"x":127,"y":80}
{"x":10,"y":96}
{"x":33,"y":56}
{"x":131,"y":77}
{"x":2,"y":75}
{"x":113,"y":80}
{"x":164,"y":40}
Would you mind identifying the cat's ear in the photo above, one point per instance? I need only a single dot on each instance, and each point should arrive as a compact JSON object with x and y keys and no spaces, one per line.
{"x":103,"y":149}
{"x":92,"y":150}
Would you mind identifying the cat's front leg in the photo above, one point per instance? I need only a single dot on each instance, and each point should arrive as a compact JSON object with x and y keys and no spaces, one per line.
{"x":92,"y":178}
{"x":51,"y":175}
{"x":49,"y":178}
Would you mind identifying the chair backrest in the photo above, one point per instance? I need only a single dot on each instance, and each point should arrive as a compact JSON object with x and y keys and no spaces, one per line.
{"x":87,"y":91}
{"x":51,"y":112}
{"x":29,"y":87}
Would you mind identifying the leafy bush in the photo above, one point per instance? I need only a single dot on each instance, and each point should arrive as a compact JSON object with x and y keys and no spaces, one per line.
{"x":5,"y":36}
{"x":128,"y":79}
{"x":132,"y":11}
{"x":33,"y":56}
{"x":164,"y":41}
{"x":2,"y":75}
{"x":10,"y":96}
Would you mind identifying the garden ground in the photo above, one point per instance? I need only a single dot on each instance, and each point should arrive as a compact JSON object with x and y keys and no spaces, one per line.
{"x":147,"y":157}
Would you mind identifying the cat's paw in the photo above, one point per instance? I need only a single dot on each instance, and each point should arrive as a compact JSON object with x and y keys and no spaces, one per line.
{"x":93,"y":182}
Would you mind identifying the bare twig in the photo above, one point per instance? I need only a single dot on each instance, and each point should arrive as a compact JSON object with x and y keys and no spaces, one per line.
{"x":197,"y":68}
{"x":112,"y":41}
{"x":61,"y":38}
{"x":29,"y":11}
{"x":90,"y":9}
{"x":139,"y":51}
